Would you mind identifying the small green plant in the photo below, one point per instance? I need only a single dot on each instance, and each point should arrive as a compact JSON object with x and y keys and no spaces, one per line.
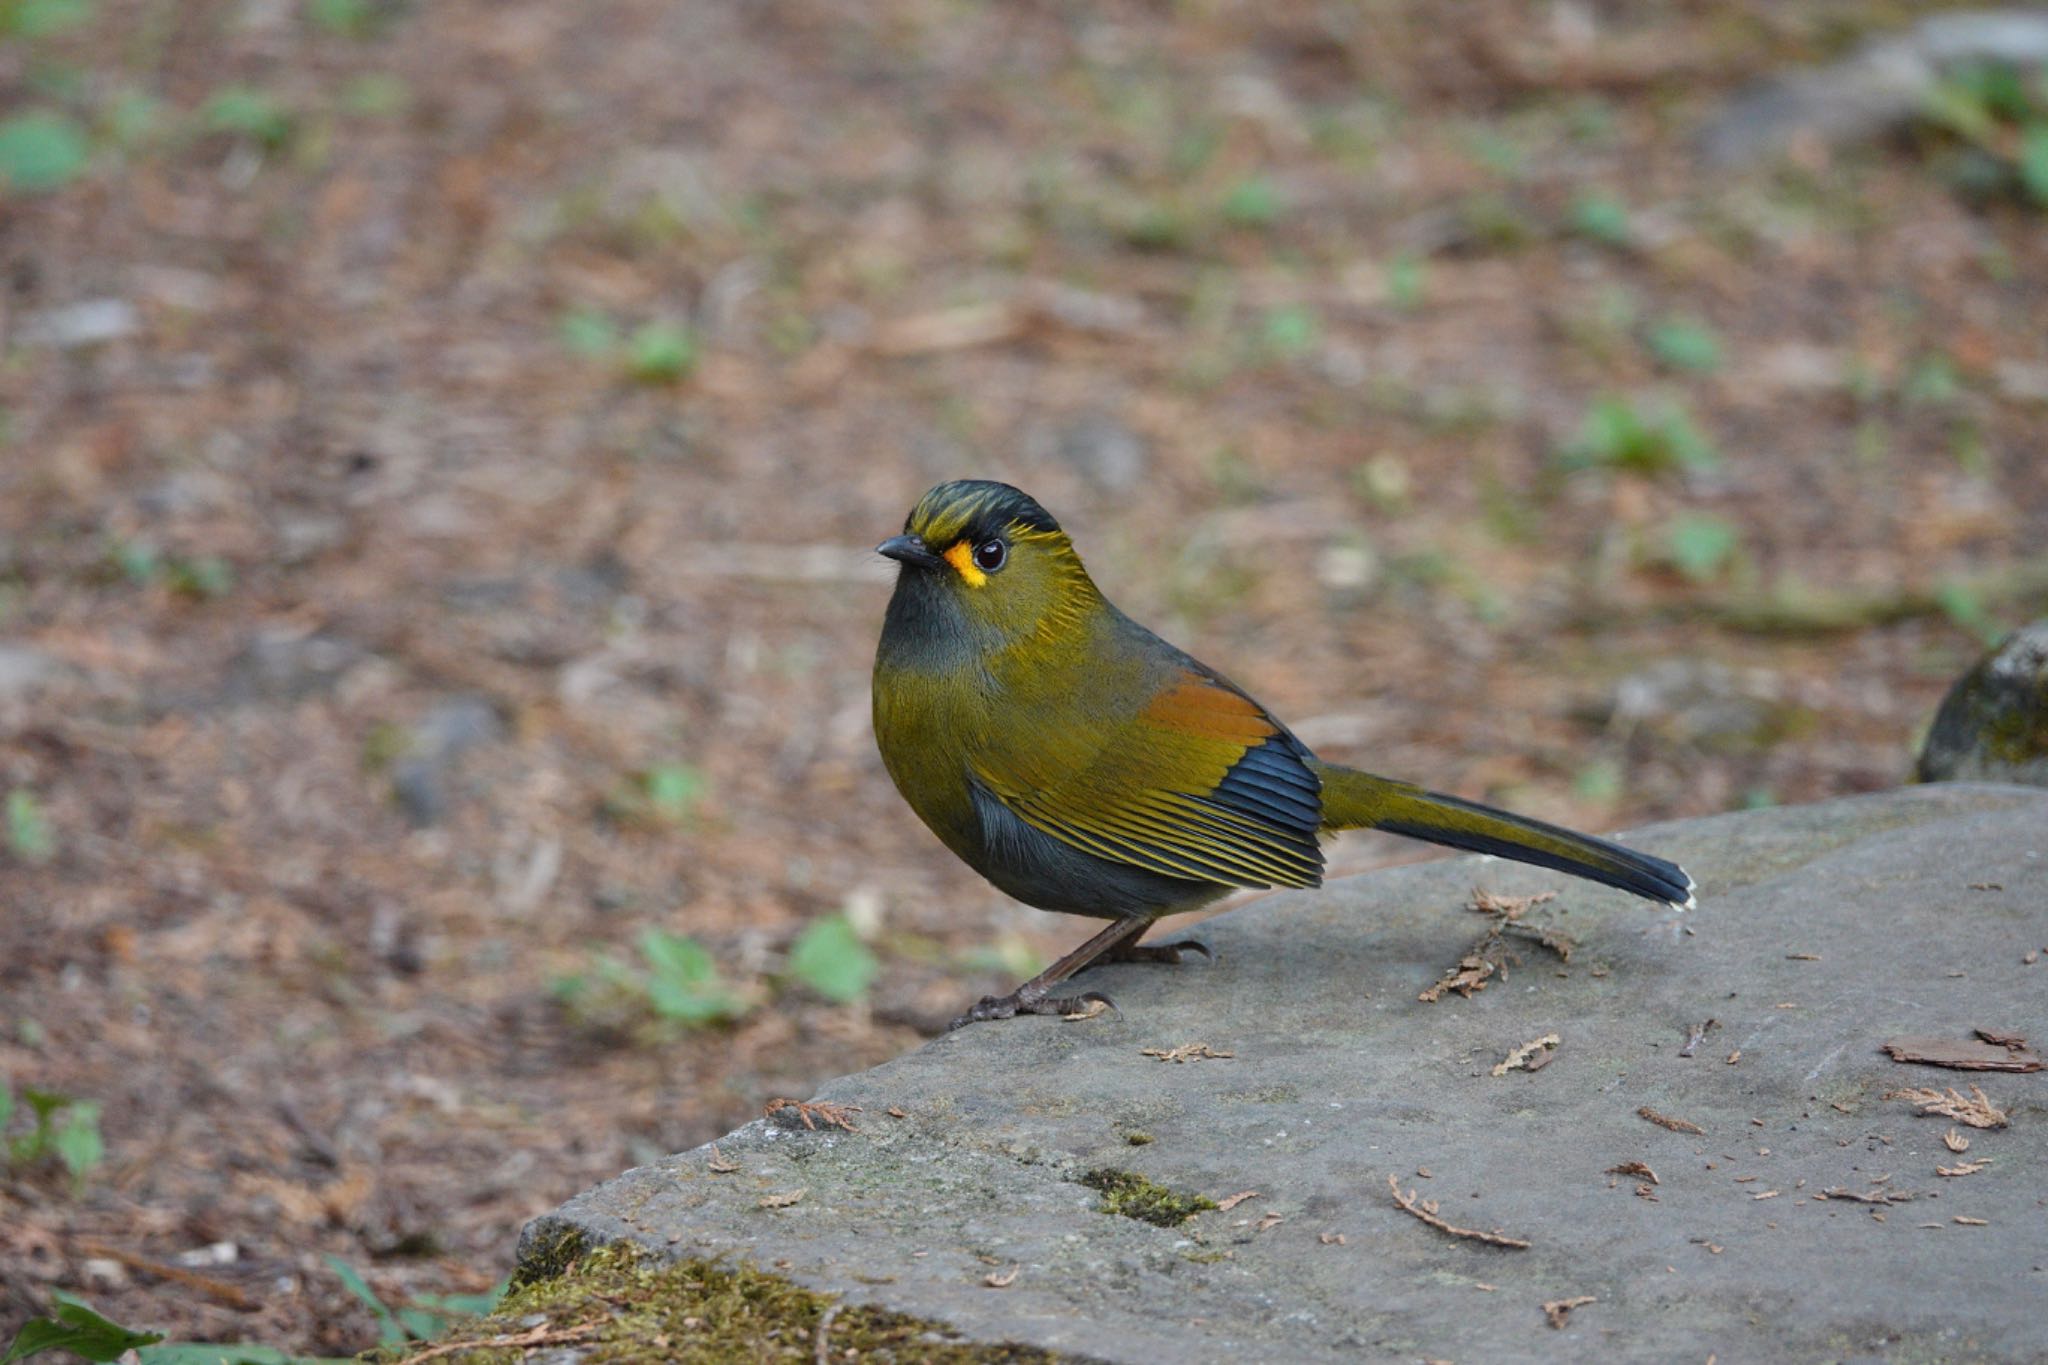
{"x":246,"y":112}
{"x":829,"y":958}
{"x":63,"y":1128}
{"x":29,"y":836}
{"x":664,"y":795}
{"x":1700,"y":547}
{"x":661,"y":353}
{"x":75,"y":1328}
{"x":1291,"y":330}
{"x":1619,"y":433}
{"x":41,"y":151}
{"x":41,"y":18}
{"x":376,"y":94}
{"x":1684,"y":345}
{"x":348,"y":18}
{"x":588,"y":333}
{"x":680,"y":984}
{"x":1600,"y":217}
{"x":431,"y":1315}
{"x":1997,"y":119}
{"x":1253,"y":203}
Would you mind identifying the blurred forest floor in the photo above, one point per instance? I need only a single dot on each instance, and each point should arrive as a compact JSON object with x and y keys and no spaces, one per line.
{"x":442,"y":445}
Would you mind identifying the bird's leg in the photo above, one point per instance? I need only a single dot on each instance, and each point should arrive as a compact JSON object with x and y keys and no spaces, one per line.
{"x":1169,"y":953}
{"x":1035,"y":996}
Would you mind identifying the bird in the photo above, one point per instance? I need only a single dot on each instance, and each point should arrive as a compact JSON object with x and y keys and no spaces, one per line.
{"x":1082,"y":764}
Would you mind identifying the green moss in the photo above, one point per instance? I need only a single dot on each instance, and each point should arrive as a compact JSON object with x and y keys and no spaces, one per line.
{"x":1131,"y":1195}
{"x":616,"y":1305}
{"x":553,"y":1249}
{"x":1137,"y":1139}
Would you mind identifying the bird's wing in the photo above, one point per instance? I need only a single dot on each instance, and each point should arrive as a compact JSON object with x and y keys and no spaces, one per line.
{"x":1202,"y":784}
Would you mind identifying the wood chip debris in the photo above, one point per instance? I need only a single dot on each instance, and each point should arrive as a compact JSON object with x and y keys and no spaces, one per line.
{"x":1868,"y":1196}
{"x":1696,"y":1035}
{"x":782,"y":1201}
{"x":1967,"y":1054}
{"x":1269,"y":1222}
{"x":1527,"y":1058}
{"x":1765,"y":1194}
{"x":1802,"y":957}
{"x":893,"y":1112}
{"x":1963,"y":1168}
{"x":1640,"y":1168}
{"x":1002,"y":1279}
{"x":1090,"y":1008}
{"x":1557,"y":1310}
{"x":1975,"y":1109}
{"x":719,"y":1164}
{"x":2002,"y":1037}
{"x":834,"y":1115}
{"x":1186,"y":1052}
{"x":1330,"y":1239}
{"x":1735,"y":1056}
{"x":1489,"y":956}
{"x":1229,"y":1202}
{"x":1426,"y":1210}
{"x":1970,"y":1222}
{"x":1666,"y":1121}
{"x":1954,"y":1140}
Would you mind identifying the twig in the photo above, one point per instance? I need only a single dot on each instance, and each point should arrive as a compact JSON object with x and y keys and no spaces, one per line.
{"x":822,"y":1350}
{"x":542,"y":1335}
{"x":1557,"y":1310}
{"x":1696,"y":1035}
{"x":1666,"y":1121}
{"x":1425,"y":1209}
{"x":220,"y":1291}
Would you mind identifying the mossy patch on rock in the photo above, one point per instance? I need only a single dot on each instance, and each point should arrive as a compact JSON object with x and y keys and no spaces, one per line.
{"x":617,"y":1305}
{"x":1131,"y":1195}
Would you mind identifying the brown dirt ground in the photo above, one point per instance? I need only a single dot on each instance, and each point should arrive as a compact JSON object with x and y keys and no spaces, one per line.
{"x":1320,"y":335}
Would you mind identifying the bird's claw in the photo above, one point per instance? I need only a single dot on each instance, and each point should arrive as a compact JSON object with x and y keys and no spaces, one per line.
{"x":1170,"y":953}
{"x":1017,"y":1002}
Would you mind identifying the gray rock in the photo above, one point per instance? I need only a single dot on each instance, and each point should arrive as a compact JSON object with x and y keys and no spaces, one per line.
{"x":26,"y":670}
{"x":1993,"y":724}
{"x":419,"y":777}
{"x":277,"y":665}
{"x":1822,"y":931}
{"x":90,"y":322}
{"x":1876,"y":88}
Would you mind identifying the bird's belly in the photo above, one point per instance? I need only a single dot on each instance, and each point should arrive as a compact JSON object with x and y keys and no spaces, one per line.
{"x":1043,"y":871}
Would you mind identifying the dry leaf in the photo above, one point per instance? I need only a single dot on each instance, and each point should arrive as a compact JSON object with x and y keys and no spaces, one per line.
{"x":1330,"y":1239}
{"x":1519,"y":1059}
{"x":782,"y":1201}
{"x":1735,"y":1056}
{"x":1954,"y":1140}
{"x":1227,"y":1204}
{"x":1964,"y":1168}
{"x":1270,"y":1221}
{"x":718,"y":1162}
{"x":835,"y":1115}
{"x":1002,"y":1279}
{"x":893,"y":1112}
{"x":1557,"y":1310}
{"x":1635,"y":1168}
{"x":1186,"y":1052}
{"x":1975,"y":1109}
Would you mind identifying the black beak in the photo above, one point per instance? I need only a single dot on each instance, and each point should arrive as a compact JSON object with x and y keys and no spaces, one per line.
{"x":910,"y":550}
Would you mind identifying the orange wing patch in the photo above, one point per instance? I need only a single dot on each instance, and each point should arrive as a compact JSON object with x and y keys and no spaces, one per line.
{"x":1196,"y":706}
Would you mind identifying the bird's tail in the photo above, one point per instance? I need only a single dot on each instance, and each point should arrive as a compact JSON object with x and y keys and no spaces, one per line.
{"x":1356,"y":800}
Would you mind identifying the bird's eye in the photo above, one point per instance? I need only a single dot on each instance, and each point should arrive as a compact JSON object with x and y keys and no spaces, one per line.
{"x":991,"y":555}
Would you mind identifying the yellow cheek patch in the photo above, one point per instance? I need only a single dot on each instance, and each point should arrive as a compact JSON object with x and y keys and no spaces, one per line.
{"x":961,"y":557}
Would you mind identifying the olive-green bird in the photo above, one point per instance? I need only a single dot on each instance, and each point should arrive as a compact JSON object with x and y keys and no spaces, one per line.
{"x":1083,"y":764}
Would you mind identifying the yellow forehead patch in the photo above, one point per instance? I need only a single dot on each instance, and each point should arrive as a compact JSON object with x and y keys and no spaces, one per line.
{"x":961,"y":557}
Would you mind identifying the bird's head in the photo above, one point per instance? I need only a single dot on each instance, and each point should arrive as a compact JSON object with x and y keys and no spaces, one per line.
{"x":983,"y":561}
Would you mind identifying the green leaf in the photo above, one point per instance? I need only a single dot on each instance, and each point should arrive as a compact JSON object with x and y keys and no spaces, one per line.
{"x":1700,"y":547}
{"x":228,"y":1353}
{"x":40,"y":18}
{"x":1601,"y":217}
{"x":248,"y":112}
{"x":587,"y":332}
{"x":1252,"y":203}
{"x":1290,"y":330}
{"x":1682,"y":344}
{"x":2034,"y":161}
{"x":661,"y":352}
{"x":29,"y":837}
{"x":830,"y":958}
{"x":349,"y":18}
{"x":6,"y":1107}
{"x":77,"y":1141}
{"x":389,"y":1333}
{"x":40,"y":152}
{"x":685,"y":984}
{"x":76,"y":1329}
{"x":673,"y":790}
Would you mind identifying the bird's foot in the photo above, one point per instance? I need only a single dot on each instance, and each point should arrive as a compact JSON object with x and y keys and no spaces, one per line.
{"x":1021,"y":1001}
{"x":1170,"y":953}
